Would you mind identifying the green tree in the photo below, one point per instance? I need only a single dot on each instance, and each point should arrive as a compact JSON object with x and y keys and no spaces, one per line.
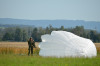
{"x":7,"y":36}
{"x":25,"y":36}
{"x":62,"y":28}
{"x":18,"y":35}
{"x":47,"y":31}
{"x":98,"y":38}
{"x":50,"y":28}
{"x":94,"y":36}
{"x":78,"y":30}
{"x":35,"y":34}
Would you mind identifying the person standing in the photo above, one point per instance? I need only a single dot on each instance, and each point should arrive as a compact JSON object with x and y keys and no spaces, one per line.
{"x":31,"y":44}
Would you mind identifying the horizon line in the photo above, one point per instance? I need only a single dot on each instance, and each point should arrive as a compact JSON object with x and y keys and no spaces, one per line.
{"x":50,"y":19}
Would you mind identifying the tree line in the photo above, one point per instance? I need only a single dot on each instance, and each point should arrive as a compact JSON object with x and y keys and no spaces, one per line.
{"x":23,"y":33}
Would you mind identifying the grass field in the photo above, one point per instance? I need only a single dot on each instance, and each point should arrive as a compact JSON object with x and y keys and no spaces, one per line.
{"x":15,"y":54}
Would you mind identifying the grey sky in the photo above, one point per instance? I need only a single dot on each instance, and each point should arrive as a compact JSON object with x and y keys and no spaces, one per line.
{"x":88,"y":10}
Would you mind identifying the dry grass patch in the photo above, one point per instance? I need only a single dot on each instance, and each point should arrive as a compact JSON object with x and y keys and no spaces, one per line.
{"x":16,"y":48}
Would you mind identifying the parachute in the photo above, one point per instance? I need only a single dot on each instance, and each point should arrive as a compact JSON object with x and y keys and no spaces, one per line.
{"x":66,"y":44}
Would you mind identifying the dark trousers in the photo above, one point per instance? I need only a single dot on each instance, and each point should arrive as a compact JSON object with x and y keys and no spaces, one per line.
{"x":30,"y":49}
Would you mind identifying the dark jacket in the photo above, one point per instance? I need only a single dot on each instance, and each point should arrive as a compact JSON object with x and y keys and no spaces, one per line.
{"x":31,"y":43}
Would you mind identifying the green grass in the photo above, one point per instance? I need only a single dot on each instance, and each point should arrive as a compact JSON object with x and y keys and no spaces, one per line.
{"x":35,"y":60}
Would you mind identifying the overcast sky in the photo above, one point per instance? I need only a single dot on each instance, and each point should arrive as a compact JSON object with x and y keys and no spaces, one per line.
{"x":88,"y":10}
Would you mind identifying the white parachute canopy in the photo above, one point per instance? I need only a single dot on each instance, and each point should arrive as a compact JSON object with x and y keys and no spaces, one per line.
{"x":66,"y":44}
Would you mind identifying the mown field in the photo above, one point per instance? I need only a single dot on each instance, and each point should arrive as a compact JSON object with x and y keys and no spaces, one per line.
{"x":15,"y":54}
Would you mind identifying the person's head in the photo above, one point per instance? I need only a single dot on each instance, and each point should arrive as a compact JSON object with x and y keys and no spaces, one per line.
{"x":30,"y":38}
